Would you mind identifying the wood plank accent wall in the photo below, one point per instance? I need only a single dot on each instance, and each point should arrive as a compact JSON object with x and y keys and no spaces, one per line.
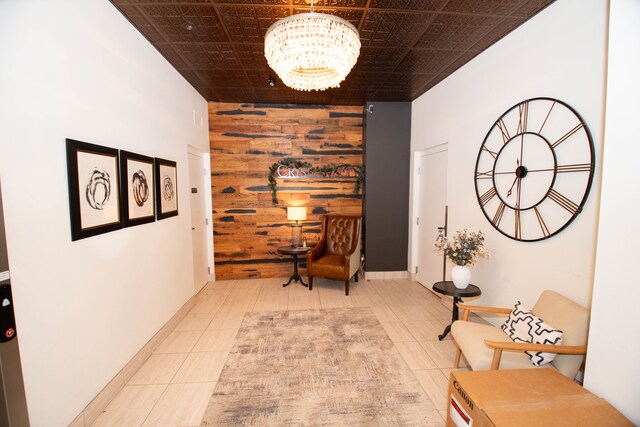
{"x":245,"y":140}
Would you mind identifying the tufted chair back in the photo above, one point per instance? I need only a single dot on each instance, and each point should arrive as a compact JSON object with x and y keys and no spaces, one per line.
{"x":340,"y":233}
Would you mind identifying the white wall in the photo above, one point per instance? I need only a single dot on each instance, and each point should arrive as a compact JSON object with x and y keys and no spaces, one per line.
{"x":559,"y":53}
{"x":612,"y":369}
{"x":78,"y":69}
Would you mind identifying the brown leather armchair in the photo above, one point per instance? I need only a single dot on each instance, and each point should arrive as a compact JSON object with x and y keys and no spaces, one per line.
{"x":337,"y":255}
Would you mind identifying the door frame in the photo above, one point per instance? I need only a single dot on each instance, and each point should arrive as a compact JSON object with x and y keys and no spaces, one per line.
{"x":414,"y":240}
{"x":206,"y":164}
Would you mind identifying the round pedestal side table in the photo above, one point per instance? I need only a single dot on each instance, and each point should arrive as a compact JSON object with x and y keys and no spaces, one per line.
{"x":448,"y":288}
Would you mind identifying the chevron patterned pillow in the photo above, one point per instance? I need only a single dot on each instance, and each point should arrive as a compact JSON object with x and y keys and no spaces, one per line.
{"x":524,"y":326}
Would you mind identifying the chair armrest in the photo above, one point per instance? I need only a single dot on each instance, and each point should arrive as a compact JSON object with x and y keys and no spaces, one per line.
{"x":499,"y":346}
{"x":316,"y":252}
{"x":467,"y":309}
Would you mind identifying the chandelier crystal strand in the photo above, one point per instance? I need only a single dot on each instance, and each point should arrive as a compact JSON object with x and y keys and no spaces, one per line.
{"x":312,"y":51}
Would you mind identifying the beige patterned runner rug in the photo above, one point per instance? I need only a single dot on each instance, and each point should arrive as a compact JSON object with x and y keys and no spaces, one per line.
{"x":330,"y":367}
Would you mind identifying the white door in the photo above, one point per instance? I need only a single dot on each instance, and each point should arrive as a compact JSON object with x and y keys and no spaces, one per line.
{"x":432,"y":198}
{"x":198,"y":221}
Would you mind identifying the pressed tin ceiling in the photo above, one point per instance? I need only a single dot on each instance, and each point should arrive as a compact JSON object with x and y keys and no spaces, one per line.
{"x":408,"y":46}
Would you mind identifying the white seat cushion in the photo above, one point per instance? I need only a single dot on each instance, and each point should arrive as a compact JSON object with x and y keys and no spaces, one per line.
{"x":470,"y":337}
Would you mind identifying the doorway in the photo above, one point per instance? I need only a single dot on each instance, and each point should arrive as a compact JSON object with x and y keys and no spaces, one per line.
{"x":430,"y":198}
{"x":199,"y":220}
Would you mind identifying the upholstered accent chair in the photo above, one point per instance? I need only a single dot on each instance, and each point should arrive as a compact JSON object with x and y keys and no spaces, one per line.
{"x":337,"y":254}
{"x":489,"y":347}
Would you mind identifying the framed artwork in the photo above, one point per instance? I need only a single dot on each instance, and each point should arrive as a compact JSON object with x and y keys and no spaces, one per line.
{"x":136,"y":189}
{"x":166,"y":188}
{"x":94,"y":200}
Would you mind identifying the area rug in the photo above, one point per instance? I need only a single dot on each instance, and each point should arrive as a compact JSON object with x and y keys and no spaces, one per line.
{"x":330,"y":367}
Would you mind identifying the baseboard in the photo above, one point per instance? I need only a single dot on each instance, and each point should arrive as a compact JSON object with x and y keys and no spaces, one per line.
{"x":388,"y":275}
{"x":117,"y":383}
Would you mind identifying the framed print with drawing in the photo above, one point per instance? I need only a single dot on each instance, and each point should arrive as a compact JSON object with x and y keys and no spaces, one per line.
{"x":94,"y":202}
{"x":166,"y":188}
{"x":136,"y":189}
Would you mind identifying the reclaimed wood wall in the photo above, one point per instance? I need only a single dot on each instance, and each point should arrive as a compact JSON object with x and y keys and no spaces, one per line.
{"x":245,"y":140}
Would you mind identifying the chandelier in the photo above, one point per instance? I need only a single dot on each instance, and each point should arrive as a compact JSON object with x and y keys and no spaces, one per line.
{"x":312,"y":51}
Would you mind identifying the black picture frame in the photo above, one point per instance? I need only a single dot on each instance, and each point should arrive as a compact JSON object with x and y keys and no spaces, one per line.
{"x":137,"y":189}
{"x":166,"y":177}
{"x":94,"y":192}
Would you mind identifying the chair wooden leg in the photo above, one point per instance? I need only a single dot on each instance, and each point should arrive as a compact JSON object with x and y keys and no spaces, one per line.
{"x":456,"y":363}
{"x":357,"y":277}
{"x":346,"y":287}
{"x":497,"y":355}
{"x":310,"y":282}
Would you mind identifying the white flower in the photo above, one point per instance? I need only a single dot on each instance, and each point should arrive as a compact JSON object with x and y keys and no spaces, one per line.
{"x":463,"y":248}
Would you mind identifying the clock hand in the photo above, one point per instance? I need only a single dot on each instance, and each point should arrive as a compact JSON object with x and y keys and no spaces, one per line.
{"x":514,"y":183}
{"x":515,"y":180}
{"x":518,"y":193}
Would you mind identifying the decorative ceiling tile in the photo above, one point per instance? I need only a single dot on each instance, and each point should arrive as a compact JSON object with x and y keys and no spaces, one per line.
{"x":160,"y":1}
{"x":459,"y":62}
{"x":209,"y":56}
{"x":132,"y":13}
{"x":531,"y":7}
{"x":361,"y":81}
{"x":186,"y":23}
{"x":348,"y":97}
{"x":192,"y":77}
{"x":406,"y":83}
{"x":456,"y":32}
{"x":499,"y":31}
{"x":393,"y":28}
{"x":315,"y":97}
{"x":251,"y":55}
{"x":420,"y":61}
{"x":260,"y":79}
{"x":386,"y":96}
{"x":216,"y":79}
{"x":267,"y":95}
{"x":171,"y":55}
{"x":249,"y":24}
{"x":353,"y":16}
{"x":377,"y":59}
{"x":331,"y":3}
{"x":206,"y":93}
{"x":422,"y":5}
{"x":483,"y":7}
{"x":253,"y":2}
{"x":235,"y":94}
{"x":408,"y":46}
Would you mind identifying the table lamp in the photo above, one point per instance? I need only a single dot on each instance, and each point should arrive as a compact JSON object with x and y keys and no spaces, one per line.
{"x":297,"y":214}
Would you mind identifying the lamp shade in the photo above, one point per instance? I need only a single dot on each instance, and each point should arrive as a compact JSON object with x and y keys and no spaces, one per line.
{"x":296,"y":213}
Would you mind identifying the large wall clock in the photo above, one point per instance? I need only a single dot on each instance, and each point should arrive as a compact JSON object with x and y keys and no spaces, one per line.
{"x":534,"y":169}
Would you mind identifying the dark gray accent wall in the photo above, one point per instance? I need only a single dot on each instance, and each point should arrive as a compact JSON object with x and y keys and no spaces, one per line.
{"x":387,"y":161}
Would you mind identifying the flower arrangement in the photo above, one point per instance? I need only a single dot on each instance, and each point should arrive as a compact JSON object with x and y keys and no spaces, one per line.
{"x":464,"y":248}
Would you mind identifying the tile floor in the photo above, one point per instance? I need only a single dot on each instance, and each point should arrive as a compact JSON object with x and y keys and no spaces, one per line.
{"x":173,"y":387}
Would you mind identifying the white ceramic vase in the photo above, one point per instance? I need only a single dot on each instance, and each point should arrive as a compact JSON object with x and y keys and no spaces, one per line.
{"x":461,"y":276}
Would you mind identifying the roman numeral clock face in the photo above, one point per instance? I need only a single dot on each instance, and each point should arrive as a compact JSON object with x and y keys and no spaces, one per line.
{"x":535,"y":169}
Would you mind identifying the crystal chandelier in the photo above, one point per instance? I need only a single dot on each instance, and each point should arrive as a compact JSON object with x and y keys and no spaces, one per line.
{"x":312,"y":51}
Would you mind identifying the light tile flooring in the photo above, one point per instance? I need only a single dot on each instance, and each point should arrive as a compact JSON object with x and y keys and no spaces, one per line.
{"x":173,"y":387}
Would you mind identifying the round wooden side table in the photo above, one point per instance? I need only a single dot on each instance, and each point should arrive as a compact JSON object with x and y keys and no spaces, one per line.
{"x":448,"y":288}
{"x":294,"y":251}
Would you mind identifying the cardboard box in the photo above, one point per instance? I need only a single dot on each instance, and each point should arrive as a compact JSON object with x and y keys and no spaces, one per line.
{"x":526,"y":397}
